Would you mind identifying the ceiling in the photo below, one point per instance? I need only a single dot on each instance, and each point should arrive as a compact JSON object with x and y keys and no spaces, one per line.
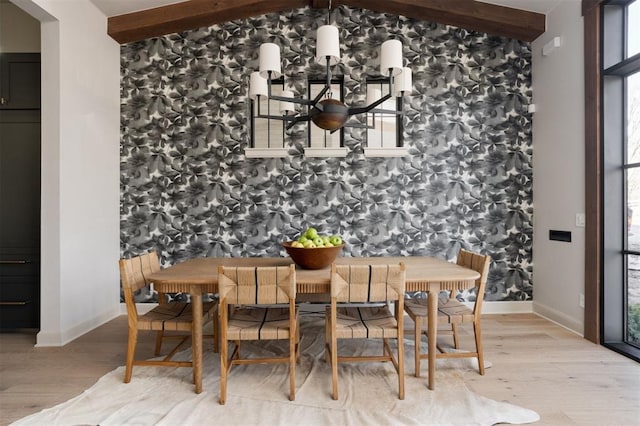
{"x":121,"y":7}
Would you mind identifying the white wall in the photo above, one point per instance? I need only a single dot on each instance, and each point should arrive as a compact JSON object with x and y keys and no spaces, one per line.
{"x":80,"y":165}
{"x":19,"y":32}
{"x":558,"y":167}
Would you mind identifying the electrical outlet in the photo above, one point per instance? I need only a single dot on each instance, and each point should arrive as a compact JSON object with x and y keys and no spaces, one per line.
{"x":581,"y":301}
{"x":581,"y":220}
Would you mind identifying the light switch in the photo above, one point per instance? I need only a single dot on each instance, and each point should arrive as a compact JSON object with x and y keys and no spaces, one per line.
{"x":581,"y":220}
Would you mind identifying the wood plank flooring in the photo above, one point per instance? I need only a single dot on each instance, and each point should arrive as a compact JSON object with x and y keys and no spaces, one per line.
{"x":535,"y":364}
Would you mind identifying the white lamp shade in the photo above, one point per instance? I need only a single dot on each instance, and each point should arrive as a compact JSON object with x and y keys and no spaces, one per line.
{"x":258,"y":86}
{"x":373,"y":95}
{"x":287,"y":107}
{"x":327,"y":44}
{"x":391,"y":57}
{"x":403,"y":82}
{"x":270,"y":60}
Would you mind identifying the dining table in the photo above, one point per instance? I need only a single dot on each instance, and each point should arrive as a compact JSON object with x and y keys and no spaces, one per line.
{"x":198,"y":276}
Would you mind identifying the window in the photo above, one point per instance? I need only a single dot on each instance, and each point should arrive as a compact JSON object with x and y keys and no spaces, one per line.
{"x":633,"y":40}
{"x":621,"y":170}
{"x":384,"y":126}
{"x":267,"y":133}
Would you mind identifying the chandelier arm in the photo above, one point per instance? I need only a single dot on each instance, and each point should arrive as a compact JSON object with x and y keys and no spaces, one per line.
{"x":360,"y":110}
{"x":268,"y":114}
{"x":296,"y":119}
{"x":277,"y":117}
{"x":385,"y":111}
{"x":315,"y":100}
{"x":294,"y":100}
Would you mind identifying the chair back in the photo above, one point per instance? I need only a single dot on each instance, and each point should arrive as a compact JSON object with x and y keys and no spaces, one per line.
{"x":480,"y":264}
{"x":256,"y":285}
{"x":357,"y":283}
{"x":134,"y":273}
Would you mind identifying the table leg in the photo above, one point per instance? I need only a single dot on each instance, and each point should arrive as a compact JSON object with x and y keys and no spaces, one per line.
{"x":432,"y":330}
{"x":196,"y":336}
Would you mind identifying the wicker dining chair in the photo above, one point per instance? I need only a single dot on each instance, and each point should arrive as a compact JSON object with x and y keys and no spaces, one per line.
{"x":257,"y":303}
{"x":171,"y":320}
{"x":367,"y":289}
{"x":452,"y":312}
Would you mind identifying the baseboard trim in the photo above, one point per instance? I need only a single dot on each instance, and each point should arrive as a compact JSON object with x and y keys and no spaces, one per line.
{"x":143,"y":308}
{"x":47,"y":339}
{"x":506,"y":307}
{"x":559,"y":318}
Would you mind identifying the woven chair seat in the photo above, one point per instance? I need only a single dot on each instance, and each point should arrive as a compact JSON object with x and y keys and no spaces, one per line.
{"x":174,"y":316}
{"x":375,"y":322}
{"x":449,"y":311}
{"x":453,"y":312}
{"x":256,"y":323}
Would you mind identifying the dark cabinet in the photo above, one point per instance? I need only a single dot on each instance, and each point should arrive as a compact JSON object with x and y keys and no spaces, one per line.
{"x":20,"y":192}
{"x":19,"y":81}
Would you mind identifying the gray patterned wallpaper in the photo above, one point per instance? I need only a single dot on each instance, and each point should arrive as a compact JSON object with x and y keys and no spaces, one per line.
{"x":187,"y":190}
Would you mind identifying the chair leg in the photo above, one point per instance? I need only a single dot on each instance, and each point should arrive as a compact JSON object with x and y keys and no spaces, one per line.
{"x":454,"y":329}
{"x":334,"y":364}
{"x":478,"y":336}
{"x":131,"y":350}
{"x":418,"y":337}
{"x":292,"y":366}
{"x":223,"y":371}
{"x":159,"y":335}
{"x":401,"y":368}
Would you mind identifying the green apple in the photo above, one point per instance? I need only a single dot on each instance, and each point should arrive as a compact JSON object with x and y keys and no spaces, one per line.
{"x":318,"y":241}
{"x":325,"y":240}
{"x":311,"y":233}
{"x":302,"y":239}
{"x":297,"y":244}
{"x":336,"y":240}
{"x":308,"y":244}
{"x":329,"y":245}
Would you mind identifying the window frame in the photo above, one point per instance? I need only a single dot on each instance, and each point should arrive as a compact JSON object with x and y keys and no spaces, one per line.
{"x":616,"y":68}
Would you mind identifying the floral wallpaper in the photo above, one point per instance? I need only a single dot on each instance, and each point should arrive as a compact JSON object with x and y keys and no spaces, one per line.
{"x":187,"y":189}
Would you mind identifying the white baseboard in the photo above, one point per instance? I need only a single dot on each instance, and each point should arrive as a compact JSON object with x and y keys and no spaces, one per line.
{"x":559,"y":318}
{"x":48,"y":339}
{"x":506,"y":307}
{"x":143,"y":308}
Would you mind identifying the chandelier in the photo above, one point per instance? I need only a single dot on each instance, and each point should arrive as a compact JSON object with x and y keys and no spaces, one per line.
{"x":324,"y":111}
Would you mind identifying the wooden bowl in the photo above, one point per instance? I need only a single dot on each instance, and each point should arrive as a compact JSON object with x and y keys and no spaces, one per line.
{"x":312,"y":258}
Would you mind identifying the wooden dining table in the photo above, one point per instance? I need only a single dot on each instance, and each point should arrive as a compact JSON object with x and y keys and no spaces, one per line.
{"x":200,"y":275}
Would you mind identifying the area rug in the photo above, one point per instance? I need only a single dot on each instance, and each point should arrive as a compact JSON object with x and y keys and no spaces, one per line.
{"x":258,"y":394}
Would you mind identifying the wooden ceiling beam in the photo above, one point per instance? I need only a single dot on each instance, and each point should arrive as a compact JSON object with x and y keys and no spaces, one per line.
{"x":189,"y":15}
{"x":468,"y":14}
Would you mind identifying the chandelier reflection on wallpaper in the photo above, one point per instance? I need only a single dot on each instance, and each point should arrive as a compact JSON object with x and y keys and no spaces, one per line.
{"x":328,"y":113}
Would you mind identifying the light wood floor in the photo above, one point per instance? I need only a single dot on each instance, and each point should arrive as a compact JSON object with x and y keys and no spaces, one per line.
{"x":535,"y":364}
